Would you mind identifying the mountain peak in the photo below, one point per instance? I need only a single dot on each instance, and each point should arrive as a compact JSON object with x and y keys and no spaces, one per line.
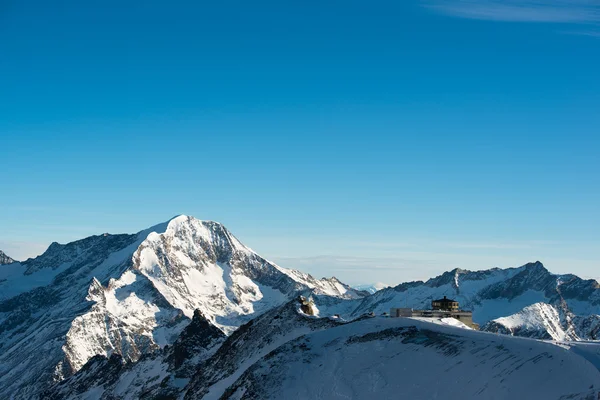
{"x":199,"y":334}
{"x":536,"y":267}
{"x":539,"y":320}
{"x":4,"y":259}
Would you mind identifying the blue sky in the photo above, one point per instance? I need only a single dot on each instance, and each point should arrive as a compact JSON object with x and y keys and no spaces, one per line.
{"x":374,"y":141}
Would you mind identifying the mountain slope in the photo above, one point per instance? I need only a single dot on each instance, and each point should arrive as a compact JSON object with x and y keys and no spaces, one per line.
{"x":544,"y":321}
{"x":540,"y":320}
{"x":383,"y":357}
{"x":157,"y":375}
{"x":132,"y":295}
{"x":251,"y":342}
{"x":40,"y":299}
{"x":194,"y":355}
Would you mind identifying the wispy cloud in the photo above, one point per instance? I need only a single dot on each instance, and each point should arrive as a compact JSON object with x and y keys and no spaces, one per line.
{"x":557,"y":11}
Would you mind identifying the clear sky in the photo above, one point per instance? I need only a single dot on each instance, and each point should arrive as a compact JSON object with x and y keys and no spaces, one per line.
{"x":371,"y":140}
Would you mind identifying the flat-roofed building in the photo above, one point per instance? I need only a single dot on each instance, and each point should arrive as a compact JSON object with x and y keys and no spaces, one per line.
{"x":401,"y":312}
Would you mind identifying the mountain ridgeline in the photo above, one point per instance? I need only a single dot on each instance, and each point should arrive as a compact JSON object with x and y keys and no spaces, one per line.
{"x":497,"y":293}
{"x":184,"y":309}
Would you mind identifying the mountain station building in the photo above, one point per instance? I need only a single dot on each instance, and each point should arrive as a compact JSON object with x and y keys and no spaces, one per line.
{"x":441,"y":308}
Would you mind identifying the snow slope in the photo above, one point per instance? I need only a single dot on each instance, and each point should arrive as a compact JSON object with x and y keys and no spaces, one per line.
{"x":544,"y":321}
{"x":251,"y":342}
{"x":40,"y":303}
{"x":383,"y":357}
{"x":538,"y":320}
{"x":158,"y":375}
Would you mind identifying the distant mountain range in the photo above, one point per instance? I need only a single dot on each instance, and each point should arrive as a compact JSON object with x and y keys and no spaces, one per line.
{"x":184,"y":308}
{"x":496,"y":293}
{"x":372,"y":287}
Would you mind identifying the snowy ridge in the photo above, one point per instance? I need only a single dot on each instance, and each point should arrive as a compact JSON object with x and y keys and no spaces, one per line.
{"x":251,"y":342}
{"x":159,"y":375}
{"x":538,"y":320}
{"x":125,"y":319}
{"x":544,"y":321}
{"x":387,"y":356}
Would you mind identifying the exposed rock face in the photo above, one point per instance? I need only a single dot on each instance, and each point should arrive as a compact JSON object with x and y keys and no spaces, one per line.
{"x":40,"y":303}
{"x":132,"y":295}
{"x":307,"y":305}
{"x":159,"y":375}
{"x":248,"y":344}
{"x":199,"y":335}
{"x":4,"y":259}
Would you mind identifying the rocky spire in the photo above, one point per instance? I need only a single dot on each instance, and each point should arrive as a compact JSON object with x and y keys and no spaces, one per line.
{"x":4,"y":259}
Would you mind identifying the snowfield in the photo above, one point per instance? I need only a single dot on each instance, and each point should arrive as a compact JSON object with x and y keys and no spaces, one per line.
{"x":391,"y":357}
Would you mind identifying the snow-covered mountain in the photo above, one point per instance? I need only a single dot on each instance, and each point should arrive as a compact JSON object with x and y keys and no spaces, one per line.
{"x":544,"y":321}
{"x":371,"y":287}
{"x":287,"y":354}
{"x":492,"y":294}
{"x":540,"y":320}
{"x":132,"y":295}
{"x":158,"y":375}
{"x":4,"y":259}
